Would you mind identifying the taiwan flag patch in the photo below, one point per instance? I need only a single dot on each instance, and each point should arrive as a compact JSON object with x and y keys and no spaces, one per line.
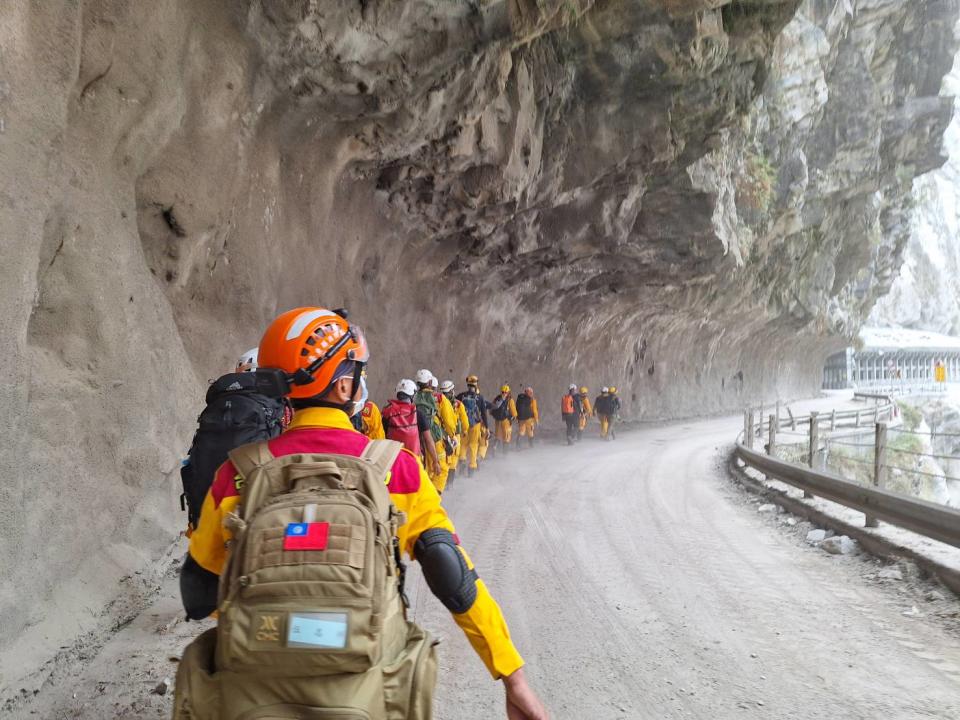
{"x":306,"y":536}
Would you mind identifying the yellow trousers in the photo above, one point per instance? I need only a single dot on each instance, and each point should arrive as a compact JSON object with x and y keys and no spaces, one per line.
{"x":504,"y":431}
{"x":470,"y":447}
{"x":604,"y":425}
{"x":484,"y":444}
{"x":527,"y":427}
{"x":439,"y":479}
{"x":583,"y":421}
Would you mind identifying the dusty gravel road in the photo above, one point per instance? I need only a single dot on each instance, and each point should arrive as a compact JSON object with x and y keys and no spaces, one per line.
{"x":638,"y":583}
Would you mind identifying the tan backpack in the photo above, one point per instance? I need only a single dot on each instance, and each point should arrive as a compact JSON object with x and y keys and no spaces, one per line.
{"x":312,"y":623}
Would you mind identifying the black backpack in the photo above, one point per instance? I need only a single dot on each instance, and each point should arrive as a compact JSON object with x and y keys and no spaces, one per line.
{"x":524,"y":407}
{"x":236,"y":414}
{"x":471,"y":403}
{"x":500,"y":408}
{"x":603,"y":405}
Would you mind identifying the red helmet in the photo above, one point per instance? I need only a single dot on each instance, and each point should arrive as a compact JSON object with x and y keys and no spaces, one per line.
{"x":310,"y":343}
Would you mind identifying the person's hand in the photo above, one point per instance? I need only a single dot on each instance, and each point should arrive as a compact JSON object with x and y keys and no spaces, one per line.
{"x":522,"y":702}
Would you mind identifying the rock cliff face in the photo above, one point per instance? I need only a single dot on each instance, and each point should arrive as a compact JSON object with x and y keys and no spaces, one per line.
{"x":686,"y":198}
{"x":926,"y":293}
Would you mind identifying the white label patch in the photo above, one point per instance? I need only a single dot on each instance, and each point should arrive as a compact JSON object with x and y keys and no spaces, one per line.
{"x":317,"y":630}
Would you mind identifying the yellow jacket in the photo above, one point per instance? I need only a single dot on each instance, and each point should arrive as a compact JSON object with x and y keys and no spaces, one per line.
{"x":535,"y":410}
{"x":587,"y":407}
{"x":326,"y":430}
{"x":462,"y":417}
{"x":447,"y":415}
{"x":372,"y":421}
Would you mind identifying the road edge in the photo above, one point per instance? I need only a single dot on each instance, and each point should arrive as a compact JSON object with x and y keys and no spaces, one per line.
{"x":873,"y":544}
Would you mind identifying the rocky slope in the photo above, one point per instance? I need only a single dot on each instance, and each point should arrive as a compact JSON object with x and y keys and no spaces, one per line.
{"x":692,"y":199}
{"x":926,"y":293}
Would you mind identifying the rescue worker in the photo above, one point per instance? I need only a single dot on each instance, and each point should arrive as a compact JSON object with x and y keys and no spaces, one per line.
{"x":247,"y":361}
{"x":603,"y":406}
{"x":615,"y":414}
{"x":325,"y":391}
{"x":405,"y":422}
{"x":570,"y":412}
{"x":486,"y":434}
{"x":586,"y":411}
{"x":528,"y":414}
{"x":368,"y":420}
{"x":475,"y":407}
{"x":463,"y":422}
{"x":372,"y":421}
{"x":427,"y":402}
{"x":447,"y":417}
{"x":504,"y":411}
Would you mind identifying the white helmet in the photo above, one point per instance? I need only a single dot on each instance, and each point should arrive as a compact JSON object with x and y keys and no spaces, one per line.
{"x":604,"y":389}
{"x":423,"y":377}
{"x":407,"y":387}
{"x":573,"y":386}
{"x":447,"y":386}
{"x":248,"y":361}
{"x":433,"y":382}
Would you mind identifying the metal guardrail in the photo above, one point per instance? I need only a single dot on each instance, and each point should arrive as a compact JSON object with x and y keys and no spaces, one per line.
{"x":903,"y":388}
{"x":834,"y":419}
{"x":921,"y":516}
{"x":871,"y":396}
{"x":926,"y":518}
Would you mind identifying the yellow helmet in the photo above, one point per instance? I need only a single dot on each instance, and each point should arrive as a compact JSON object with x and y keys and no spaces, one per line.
{"x":613,"y":390}
{"x":584,"y":390}
{"x":505,"y":389}
{"x":472,"y":380}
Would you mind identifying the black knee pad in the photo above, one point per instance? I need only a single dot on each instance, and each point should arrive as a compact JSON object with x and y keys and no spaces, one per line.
{"x":445,"y":570}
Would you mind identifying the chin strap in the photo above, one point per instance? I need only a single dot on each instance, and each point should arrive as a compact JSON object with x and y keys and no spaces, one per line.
{"x":355,"y":387}
{"x":345,"y":407}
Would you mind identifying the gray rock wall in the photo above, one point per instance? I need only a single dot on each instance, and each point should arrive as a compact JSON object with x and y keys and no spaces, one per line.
{"x":679,"y":197}
{"x":926,"y":292}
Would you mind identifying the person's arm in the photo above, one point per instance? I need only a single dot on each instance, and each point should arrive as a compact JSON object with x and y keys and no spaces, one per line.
{"x":512,"y":409}
{"x":429,"y":537}
{"x":426,"y":442}
{"x":536,"y":411}
{"x":207,"y":554}
{"x":473,"y":608}
{"x":448,"y":418}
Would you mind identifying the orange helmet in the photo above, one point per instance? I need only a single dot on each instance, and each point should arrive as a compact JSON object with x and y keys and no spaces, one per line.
{"x":309,"y":344}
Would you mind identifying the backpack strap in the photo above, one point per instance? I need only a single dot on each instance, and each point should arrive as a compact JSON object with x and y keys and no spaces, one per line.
{"x":382,"y":454}
{"x":247,"y":459}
